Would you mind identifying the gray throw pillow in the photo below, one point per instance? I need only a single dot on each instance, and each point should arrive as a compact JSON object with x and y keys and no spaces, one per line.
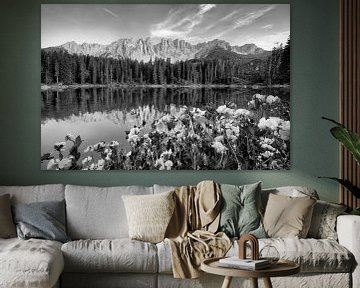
{"x":323,"y":222}
{"x":44,"y":220}
{"x":240,"y":213}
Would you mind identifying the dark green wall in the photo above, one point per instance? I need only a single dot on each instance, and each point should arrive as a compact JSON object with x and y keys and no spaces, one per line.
{"x":314,"y":93}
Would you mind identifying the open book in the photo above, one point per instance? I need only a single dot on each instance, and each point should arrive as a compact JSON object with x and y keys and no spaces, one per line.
{"x":236,"y":262}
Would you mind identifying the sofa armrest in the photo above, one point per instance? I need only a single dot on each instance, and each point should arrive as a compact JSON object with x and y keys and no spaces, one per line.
{"x":348,"y":230}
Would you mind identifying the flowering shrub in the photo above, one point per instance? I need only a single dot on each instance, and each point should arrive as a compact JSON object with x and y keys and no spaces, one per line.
{"x":223,"y":137}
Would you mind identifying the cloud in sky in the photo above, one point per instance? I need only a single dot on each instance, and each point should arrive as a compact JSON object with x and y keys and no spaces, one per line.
{"x":209,"y":21}
{"x":111,"y":13}
{"x":268,"y":26}
{"x":245,"y":19}
{"x":180,"y":23}
{"x":250,"y":17}
{"x":105,"y":23}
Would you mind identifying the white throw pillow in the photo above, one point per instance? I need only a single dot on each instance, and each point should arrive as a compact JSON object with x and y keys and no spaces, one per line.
{"x":149,"y":215}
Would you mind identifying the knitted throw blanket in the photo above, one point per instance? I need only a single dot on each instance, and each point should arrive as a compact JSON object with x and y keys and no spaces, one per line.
{"x":191,"y":232}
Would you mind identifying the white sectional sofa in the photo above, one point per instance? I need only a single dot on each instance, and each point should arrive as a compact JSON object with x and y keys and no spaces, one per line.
{"x":101,"y":254}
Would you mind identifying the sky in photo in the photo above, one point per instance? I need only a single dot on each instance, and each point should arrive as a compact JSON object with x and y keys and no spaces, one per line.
{"x":238,"y":24}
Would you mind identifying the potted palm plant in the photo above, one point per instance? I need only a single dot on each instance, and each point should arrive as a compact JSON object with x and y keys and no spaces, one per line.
{"x":351,"y":141}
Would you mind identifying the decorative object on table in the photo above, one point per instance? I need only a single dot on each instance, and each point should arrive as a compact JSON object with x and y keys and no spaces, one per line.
{"x":351,"y":142}
{"x":254,"y":246}
{"x":248,"y":264}
{"x":270,"y":253}
{"x":241,"y":261}
{"x":165,"y":87}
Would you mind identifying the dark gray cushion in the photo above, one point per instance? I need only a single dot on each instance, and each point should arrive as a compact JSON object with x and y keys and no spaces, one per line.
{"x":240,"y":213}
{"x":44,"y":220}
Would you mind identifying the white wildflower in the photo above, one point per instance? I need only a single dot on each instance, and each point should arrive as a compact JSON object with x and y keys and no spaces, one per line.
{"x":272,"y":99}
{"x":267,"y":154}
{"x":271,"y":123}
{"x":168,"y":164}
{"x":65,"y":163}
{"x":114,"y":144}
{"x":242,"y":112}
{"x":100,"y":164}
{"x":52,"y":165}
{"x":260,"y":97}
{"x":221,"y":109}
{"x":251,"y":104}
{"x":89,"y":149}
{"x":100,"y":145}
{"x":219,"y":147}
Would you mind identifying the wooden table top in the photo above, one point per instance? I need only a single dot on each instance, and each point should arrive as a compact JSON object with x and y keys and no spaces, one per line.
{"x":281,"y":268}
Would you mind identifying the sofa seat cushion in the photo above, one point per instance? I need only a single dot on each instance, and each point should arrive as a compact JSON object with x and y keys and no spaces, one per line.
{"x":30,"y":263}
{"x":110,"y":255}
{"x":313,"y":255}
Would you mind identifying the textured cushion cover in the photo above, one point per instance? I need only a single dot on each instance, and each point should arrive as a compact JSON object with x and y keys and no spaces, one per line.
{"x":32,"y":263}
{"x":287,"y":216}
{"x":313,"y":255}
{"x":149,"y":215}
{"x":98,"y":213}
{"x":7,"y":226}
{"x":240,"y":210}
{"x":44,"y":220}
{"x":117,"y":255}
{"x":323,"y":222}
{"x":34,"y":193}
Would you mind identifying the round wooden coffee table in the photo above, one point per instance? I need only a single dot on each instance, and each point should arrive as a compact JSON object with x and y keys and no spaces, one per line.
{"x":281,"y":268}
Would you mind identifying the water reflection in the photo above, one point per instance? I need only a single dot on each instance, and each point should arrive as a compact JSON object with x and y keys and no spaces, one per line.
{"x":105,"y":113}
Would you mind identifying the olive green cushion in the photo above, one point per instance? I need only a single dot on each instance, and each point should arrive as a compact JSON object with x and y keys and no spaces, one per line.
{"x":240,"y":213}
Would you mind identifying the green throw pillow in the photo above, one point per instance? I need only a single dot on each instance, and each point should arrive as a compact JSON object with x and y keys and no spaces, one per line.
{"x":240,"y":213}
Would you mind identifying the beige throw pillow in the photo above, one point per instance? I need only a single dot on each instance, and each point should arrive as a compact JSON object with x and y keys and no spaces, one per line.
{"x":149,"y":215}
{"x":7,"y":226}
{"x":288,"y":217}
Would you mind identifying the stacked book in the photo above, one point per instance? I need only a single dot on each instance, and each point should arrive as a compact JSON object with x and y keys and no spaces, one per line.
{"x":248,"y":264}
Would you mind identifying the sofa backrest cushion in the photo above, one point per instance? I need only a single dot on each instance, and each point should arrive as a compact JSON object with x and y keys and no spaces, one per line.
{"x":291,"y":191}
{"x":98,"y":212}
{"x":162,"y":188}
{"x":35,"y":193}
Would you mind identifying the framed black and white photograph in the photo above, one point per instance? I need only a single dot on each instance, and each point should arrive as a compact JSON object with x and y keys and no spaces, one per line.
{"x":165,"y":86}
